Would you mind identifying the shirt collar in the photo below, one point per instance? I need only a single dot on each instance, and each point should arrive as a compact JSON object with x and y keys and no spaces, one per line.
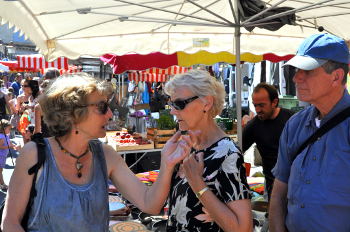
{"x":343,"y":103}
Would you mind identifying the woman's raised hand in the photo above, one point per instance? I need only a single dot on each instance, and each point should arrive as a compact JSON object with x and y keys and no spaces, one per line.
{"x":178,"y":147}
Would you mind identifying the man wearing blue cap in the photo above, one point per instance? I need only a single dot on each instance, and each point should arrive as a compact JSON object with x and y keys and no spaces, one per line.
{"x":312,"y":189}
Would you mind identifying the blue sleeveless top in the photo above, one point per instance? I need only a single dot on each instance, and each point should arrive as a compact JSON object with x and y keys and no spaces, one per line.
{"x":63,"y":207}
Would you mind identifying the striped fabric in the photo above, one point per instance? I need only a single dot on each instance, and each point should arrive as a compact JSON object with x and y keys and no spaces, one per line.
{"x":38,"y":62}
{"x":156,"y":74}
{"x":149,"y":77}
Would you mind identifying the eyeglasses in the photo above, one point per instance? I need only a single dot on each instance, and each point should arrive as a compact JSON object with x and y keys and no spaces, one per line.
{"x":181,"y":104}
{"x":102,"y":106}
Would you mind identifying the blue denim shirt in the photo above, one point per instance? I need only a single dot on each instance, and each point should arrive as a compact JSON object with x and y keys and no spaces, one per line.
{"x":319,"y":178}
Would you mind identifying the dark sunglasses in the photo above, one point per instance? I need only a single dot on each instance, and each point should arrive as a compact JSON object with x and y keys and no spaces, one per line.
{"x":181,"y":104}
{"x":25,"y":86}
{"x":102,"y":106}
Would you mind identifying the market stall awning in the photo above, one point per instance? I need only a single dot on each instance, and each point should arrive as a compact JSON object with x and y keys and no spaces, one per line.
{"x":38,"y":62}
{"x":156,"y":74}
{"x":71,"y":69}
{"x":128,"y":62}
{"x":173,"y":70}
{"x":73,"y":28}
{"x":149,"y":77}
{"x":13,"y":66}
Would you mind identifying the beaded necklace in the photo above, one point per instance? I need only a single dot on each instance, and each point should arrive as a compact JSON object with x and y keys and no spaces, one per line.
{"x":78,"y":164}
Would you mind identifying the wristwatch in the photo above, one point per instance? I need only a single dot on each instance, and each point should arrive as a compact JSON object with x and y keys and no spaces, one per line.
{"x":201,"y":192}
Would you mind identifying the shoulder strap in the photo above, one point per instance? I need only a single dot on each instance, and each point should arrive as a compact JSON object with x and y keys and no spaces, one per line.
{"x":331,"y":123}
{"x":40,"y":143}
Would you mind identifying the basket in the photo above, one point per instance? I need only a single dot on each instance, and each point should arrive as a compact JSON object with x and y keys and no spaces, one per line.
{"x":159,"y":137}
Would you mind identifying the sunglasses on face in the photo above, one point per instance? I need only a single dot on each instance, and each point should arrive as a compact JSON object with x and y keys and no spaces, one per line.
{"x":181,"y":104}
{"x":25,"y":86}
{"x":102,"y":107}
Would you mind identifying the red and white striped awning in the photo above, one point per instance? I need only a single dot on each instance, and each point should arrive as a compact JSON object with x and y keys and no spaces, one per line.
{"x":149,"y":77}
{"x":71,"y":69}
{"x":173,"y":70}
{"x":38,"y":62}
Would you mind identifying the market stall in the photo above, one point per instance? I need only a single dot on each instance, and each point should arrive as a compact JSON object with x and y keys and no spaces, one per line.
{"x":74,"y":28}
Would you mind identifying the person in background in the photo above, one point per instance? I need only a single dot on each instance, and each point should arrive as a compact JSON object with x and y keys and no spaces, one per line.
{"x":312,"y":189}
{"x":5,"y":145}
{"x":265,"y":128}
{"x":209,"y":189}
{"x":51,"y":73}
{"x":33,"y":99}
{"x":23,"y":99}
{"x":6,"y":81}
{"x":4,"y":103}
{"x":73,"y":182}
{"x":16,"y":84}
{"x":40,"y":126}
{"x":26,"y":104}
{"x":29,"y":131}
{"x":14,"y":117}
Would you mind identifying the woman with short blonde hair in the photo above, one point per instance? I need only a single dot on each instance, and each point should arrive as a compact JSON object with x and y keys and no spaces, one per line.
{"x":210,"y":190}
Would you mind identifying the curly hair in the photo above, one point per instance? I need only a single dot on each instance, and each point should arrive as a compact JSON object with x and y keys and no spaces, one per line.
{"x":201,"y":84}
{"x":62,"y":101}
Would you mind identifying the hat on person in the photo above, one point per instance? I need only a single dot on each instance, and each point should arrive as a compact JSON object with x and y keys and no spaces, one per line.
{"x":317,"y":49}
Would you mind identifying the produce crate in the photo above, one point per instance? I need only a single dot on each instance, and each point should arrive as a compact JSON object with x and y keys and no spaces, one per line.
{"x":135,"y":147}
{"x":118,"y":147}
{"x":159,"y":137}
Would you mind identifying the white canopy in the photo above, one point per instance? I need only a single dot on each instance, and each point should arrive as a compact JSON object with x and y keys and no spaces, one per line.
{"x":73,"y":28}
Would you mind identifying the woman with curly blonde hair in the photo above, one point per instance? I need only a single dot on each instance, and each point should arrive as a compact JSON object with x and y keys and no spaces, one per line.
{"x":72,"y":183}
{"x":210,"y":190}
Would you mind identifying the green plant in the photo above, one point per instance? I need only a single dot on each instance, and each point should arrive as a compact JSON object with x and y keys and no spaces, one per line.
{"x":165,"y":122}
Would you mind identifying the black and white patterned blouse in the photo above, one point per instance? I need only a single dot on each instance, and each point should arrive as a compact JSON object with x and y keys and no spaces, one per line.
{"x":224,"y":174}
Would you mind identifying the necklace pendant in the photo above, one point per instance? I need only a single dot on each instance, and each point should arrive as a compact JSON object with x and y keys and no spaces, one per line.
{"x":79,"y":166}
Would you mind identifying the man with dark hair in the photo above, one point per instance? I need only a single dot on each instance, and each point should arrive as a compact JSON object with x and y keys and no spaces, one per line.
{"x":265,"y":128}
{"x":312,"y":188}
{"x":51,"y":73}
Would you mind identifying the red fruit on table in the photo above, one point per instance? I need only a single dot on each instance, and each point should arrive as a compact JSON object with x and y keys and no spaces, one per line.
{"x":127,"y":136}
{"x":123,"y":136}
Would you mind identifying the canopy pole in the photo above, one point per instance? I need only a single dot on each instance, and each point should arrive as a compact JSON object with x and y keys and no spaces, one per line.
{"x":238,"y":78}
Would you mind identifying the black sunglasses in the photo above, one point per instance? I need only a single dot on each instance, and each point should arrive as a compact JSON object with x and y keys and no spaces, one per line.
{"x":102,"y":106}
{"x":181,"y":104}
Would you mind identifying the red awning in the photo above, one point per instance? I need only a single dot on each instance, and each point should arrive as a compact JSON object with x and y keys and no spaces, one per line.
{"x":138,"y":62}
{"x":13,"y":65}
{"x":71,"y":69}
{"x":38,"y":62}
{"x":173,"y":70}
{"x":149,"y":77}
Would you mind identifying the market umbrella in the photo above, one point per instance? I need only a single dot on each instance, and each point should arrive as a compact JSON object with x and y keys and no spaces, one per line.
{"x":73,"y":28}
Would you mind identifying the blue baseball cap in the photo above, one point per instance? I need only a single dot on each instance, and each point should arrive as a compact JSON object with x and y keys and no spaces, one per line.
{"x":317,"y":49}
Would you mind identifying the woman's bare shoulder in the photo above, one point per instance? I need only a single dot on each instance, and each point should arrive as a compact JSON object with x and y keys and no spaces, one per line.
{"x":110,"y":152}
